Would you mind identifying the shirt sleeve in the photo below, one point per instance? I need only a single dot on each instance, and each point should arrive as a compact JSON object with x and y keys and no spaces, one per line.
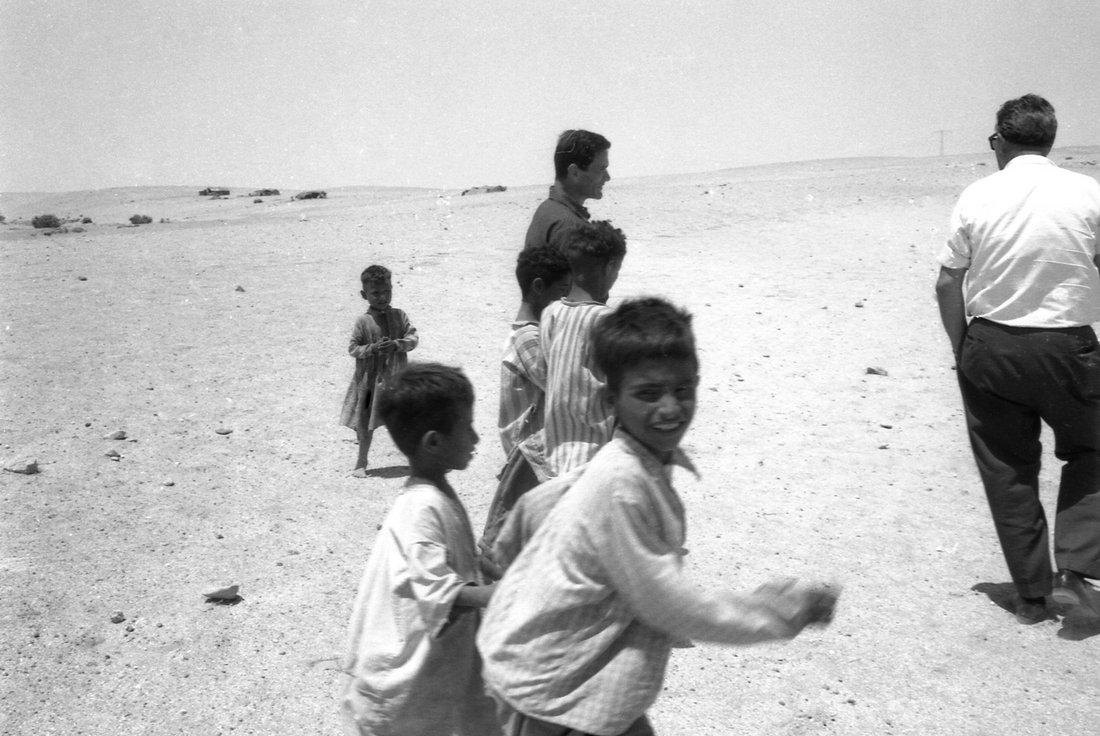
{"x":362,"y":343}
{"x":431,"y":581}
{"x":409,"y":339}
{"x":529,"y":357}
{"x":956,"y":252}
{"x":646,"y":571}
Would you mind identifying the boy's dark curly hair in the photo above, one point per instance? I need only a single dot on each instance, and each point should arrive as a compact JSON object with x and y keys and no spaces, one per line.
{"x":544,"y":262}
{"x":637,"y":330}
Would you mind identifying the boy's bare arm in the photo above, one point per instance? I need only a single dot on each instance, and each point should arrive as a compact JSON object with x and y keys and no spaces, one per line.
{"x":474,"y":596}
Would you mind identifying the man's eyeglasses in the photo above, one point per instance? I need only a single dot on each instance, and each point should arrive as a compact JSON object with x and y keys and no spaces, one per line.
{"x":992,"y":138}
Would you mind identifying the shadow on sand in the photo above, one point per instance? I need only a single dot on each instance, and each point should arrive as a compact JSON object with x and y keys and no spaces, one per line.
{"x":1078,"y":623}
{"x":391,"y":471}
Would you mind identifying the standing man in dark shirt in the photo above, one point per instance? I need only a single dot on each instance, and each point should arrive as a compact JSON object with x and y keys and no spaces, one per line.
{"x":580,"y":171}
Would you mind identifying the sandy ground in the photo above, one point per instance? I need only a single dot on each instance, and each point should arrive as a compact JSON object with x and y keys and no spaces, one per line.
{"x":800,"y":276}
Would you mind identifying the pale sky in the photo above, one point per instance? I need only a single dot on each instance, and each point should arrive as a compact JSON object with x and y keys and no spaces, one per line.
{"x":438,"y":93}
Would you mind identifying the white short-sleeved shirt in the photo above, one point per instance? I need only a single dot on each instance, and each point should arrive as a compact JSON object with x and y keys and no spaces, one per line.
{"x":1028,"y":236}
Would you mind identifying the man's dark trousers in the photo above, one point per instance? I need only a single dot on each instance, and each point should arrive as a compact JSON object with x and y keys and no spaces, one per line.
{"x":1012,"y":379}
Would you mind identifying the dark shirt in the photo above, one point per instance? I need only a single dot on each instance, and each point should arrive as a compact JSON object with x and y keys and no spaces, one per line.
{"x":554,"y":219}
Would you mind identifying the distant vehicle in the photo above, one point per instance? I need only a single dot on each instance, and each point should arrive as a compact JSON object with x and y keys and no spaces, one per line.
{"x":264,"y":193}
{"x":212,"y":192}
{"x":311,"y":194}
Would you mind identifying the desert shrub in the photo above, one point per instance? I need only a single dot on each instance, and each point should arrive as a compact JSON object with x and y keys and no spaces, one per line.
{"x":48,"y":221}
{"x":3,"y":219}
{"x":86,"y":221}
{"x":257,"y":201}
{"x":140,"y":219}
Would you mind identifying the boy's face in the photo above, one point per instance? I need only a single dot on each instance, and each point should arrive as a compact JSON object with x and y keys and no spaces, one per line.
{"x":656,"y":402}
{"x":377,"y":294}
{"x":456,"y":448}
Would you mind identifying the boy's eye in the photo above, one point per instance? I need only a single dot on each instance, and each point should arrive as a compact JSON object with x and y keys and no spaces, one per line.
{"x":648,"y":394}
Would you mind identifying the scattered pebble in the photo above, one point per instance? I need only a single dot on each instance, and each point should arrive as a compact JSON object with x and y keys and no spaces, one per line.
{"x":23,"y":466}
{"x":876,"y":371}
{"x":113,"y":454}
{"x":859,"y":305}
{"x":118,"y":434}
{"x":224,"y":593}
{"x":117,"y":617}
{"x":168,"y":482}
{"x":81,"y":278}
{"x":239,"y":288}
{"x":223,"y":430}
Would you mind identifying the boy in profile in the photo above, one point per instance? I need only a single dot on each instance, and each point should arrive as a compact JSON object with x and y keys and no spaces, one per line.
{"x":544,"y":277}
{"x":411,"y":656}
{"x":577,"y":422}
{"x":580,"y":628}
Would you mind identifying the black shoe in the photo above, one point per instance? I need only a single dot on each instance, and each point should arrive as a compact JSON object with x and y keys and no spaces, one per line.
{"x":1032,"y":610}
{"x":1069,"y":589}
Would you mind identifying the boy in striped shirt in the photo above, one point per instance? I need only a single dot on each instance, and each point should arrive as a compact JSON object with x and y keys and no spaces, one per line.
{"x":544,"y":277}
{"x":578,"y":420}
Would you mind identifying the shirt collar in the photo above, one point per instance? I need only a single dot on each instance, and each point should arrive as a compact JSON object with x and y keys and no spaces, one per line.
{"x":1026,"y":159}
{"x":558,"y":194}
{"x":679,"y":457}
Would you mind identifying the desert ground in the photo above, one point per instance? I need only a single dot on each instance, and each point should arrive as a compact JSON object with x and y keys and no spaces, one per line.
{"x":227,"y":314}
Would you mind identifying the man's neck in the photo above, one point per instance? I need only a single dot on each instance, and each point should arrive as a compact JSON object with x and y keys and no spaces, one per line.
{"x":566,"y":193}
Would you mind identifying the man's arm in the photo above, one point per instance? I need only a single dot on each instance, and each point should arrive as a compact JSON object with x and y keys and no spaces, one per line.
{"x":949,"y":294}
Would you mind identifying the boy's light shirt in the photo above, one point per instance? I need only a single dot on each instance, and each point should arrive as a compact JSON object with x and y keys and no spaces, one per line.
{"x":578,"y":420}
{"x":411,"y":654}
{"x":580,"y":628}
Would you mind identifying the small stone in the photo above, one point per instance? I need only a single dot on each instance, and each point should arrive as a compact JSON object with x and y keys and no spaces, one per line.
{"x":859,"y":305}
{"x":117,"y":617}
{"x":81,"y":278}
{"x":118,"y":434}
{"x":224,"y":593}
{"x":876,"y":371}
{"x":113,"y":454}
{"x":239,"y":288}
{"x":23,"y":466}
{"x":223,"y":430}
{"x":168,"y":482}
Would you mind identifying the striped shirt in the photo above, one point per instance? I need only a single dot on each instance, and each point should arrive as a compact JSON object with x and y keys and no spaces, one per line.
{"x":578,"y":421}
{"x":580,"y":628}
{"x":522,"y":386}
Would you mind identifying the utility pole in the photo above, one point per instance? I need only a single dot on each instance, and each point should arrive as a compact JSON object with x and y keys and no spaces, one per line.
{"x":941,"y":132}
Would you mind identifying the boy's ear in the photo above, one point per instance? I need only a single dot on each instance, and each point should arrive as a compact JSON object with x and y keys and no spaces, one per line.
{"x":606,"y":396}
{"x":363,"y":293}
{"x":429,"y":443}
{"x":538,"y":286}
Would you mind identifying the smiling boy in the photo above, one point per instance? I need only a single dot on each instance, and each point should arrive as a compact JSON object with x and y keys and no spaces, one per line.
{"x":581,"y":626}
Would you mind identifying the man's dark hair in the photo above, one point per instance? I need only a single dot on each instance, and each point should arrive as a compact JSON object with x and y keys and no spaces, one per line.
{"x":594,"y":244}
{"x":374,"y":274}
{"x":1027,"y":121}
{"x":421,"y":398}
{"x":577,"y":147}
{"x":637,"y":330}
{"x":545,"y":262}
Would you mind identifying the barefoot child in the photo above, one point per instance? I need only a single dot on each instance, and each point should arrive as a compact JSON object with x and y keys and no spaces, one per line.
{"x":580,"y":628}
{"x":411,"y":657}
{"x":379,"y":341}
{"x":544,"y":277}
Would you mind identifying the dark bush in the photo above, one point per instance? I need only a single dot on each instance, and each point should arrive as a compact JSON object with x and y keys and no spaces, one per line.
{"x":48,"y":221}
{"x":86,"y":221}
{"x":140,"y":219}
